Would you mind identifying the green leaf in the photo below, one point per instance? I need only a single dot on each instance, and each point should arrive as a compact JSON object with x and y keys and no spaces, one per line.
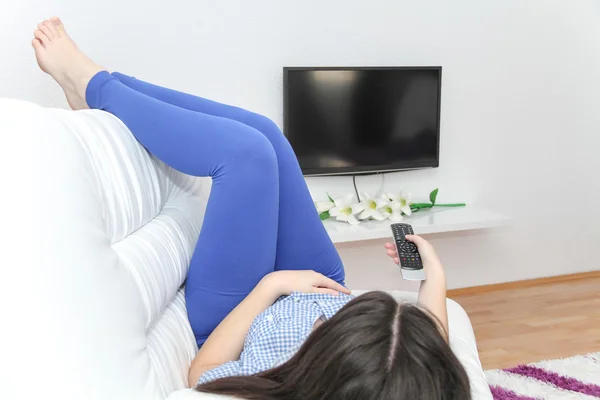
{"x":324,"y":215}
{"x":433,"y":196}
{"x":330,"y":199}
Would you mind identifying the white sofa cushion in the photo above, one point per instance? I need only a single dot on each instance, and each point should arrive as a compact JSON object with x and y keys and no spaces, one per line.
{"x":115,"y":230}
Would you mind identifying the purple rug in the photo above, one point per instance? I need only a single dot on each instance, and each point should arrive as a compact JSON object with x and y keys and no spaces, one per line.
{"x":576,"y":378}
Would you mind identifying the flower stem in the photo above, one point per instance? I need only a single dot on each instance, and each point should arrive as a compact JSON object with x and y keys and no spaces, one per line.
{"x":419,"y":206}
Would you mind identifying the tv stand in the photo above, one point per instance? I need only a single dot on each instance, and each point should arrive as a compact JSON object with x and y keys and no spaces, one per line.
{"x":424,"y":222}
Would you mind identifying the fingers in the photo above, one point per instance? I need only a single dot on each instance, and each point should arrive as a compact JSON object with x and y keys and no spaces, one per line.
{"x":391,"y":252}
{"x":416,"y":239}
{"x":327,"y":283}
{"x":327,"y":291}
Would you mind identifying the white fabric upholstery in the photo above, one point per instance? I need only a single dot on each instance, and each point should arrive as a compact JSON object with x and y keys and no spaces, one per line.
{"x":116,"y":230}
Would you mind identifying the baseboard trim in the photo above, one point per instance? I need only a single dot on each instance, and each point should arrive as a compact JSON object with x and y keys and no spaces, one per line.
{"x":522,"y":284}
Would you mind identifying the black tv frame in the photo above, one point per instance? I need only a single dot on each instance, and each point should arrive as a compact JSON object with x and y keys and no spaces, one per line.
{"x":364,"y":170}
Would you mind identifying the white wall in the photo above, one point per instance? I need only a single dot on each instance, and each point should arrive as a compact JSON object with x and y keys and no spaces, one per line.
{"x":520,"y":109}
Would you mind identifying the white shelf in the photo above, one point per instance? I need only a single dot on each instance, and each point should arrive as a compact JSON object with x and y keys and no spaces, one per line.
{"x":423,"y":222}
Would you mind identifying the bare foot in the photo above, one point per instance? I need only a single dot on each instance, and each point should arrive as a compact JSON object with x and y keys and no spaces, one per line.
{"x":58,"y":55}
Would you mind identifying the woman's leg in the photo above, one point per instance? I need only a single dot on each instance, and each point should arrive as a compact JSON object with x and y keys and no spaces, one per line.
{"x":302,"y":242}
{"x":236,"y":247}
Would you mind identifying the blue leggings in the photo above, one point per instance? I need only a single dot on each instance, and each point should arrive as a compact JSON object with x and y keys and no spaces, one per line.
{"x":260,"y":216}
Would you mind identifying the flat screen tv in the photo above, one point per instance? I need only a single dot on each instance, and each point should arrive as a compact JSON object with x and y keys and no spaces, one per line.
{"x":360,"y":120}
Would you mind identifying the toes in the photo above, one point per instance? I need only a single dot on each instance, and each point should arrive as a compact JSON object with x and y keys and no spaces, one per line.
{"x":37,"y":45}
{"x":60,"y":28}
{"x":42,"y":27}
{"x":39,"y":35}
{"x":52,"y":28}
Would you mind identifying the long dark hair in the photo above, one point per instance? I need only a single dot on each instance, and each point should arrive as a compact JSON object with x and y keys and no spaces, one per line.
{"x":373,"y":349}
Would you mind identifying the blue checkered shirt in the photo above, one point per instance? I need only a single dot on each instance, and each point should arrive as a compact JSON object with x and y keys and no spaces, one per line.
{"x":277,"y":333}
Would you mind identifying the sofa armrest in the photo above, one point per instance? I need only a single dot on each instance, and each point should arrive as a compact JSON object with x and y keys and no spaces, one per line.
{"x":462,"y":341}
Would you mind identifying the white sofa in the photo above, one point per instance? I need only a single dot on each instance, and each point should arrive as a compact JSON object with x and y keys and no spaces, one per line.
{"x":116,"y":231}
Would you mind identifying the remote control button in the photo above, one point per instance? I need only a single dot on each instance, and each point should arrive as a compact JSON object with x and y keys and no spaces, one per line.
{"x":407,"y":246}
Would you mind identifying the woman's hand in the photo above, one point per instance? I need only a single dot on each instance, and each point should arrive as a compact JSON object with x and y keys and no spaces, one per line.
{"x":286,"y":282}
{"x":432,"y":293}
{"x":428,"y":254}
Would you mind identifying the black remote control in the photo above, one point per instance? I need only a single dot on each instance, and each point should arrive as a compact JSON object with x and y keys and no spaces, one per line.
{"x":411,"y":265}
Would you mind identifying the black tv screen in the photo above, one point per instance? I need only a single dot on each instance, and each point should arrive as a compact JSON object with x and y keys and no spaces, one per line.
{"x":360,"y":120}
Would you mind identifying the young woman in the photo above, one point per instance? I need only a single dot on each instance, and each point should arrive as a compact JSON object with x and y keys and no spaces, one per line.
{"x":264,"y":293}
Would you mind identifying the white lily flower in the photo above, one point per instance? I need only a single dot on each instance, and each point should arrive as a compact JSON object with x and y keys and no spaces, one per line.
{"x":323,"y":206}
{"x":372,"y":207}
{"x":344,"y":210}
{"x":392,"y":211}
{"x":403,"y":200}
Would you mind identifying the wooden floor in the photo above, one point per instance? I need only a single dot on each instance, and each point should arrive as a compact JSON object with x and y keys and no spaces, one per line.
{"x":523,"y":325}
